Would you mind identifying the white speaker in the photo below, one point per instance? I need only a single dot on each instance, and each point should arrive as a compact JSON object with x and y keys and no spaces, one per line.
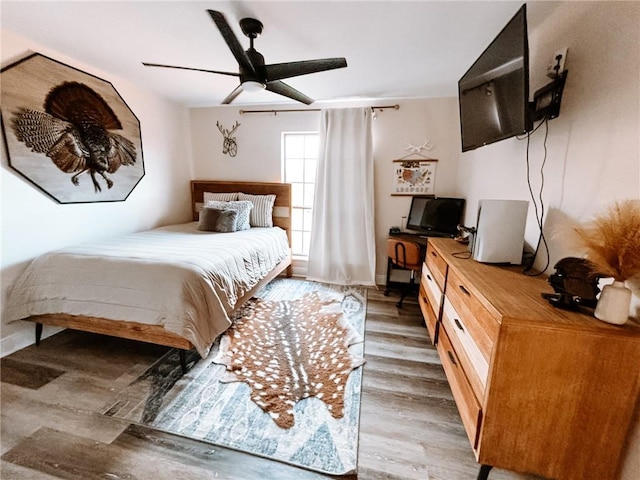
{"x":500,"y":231}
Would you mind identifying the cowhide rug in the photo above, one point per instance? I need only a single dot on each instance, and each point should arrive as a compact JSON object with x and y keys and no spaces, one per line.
{"x":288,"y":350}
{"x":202,"y":405}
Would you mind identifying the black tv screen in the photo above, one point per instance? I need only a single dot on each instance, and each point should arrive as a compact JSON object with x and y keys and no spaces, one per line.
{"x":436,"y":216}
{"x":494,"y":93}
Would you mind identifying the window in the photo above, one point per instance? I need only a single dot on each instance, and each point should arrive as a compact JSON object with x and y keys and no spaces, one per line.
{"x":299,"y":159}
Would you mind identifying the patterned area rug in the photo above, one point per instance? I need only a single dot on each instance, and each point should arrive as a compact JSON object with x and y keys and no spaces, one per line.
{"x":322,"y":433}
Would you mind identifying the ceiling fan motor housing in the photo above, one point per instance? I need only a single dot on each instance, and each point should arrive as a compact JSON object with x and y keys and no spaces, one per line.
{"x":257,"y":60}
{"x":251,"y":27}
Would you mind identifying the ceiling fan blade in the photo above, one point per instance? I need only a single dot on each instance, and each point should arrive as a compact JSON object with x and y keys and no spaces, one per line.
{"x":282,"y":88}
{"x":278,"y":71}
{"x":232,"y":41}
{"x":232,"y":96}
{"x":189,"y":68}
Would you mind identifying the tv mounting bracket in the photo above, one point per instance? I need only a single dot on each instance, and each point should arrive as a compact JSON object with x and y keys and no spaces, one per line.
{"x":546,"y":101}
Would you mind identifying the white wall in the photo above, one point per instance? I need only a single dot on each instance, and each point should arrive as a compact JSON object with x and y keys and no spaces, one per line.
{"x":593,"y":146}
{"x":32,"y":223}
{"x":259,"y":155}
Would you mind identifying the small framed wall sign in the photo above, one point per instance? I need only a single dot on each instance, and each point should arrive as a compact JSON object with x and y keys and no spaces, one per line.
{"x":414,"y":177}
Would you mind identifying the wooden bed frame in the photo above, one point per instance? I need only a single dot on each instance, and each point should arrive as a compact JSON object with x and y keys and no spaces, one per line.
{"x":157,"y":334}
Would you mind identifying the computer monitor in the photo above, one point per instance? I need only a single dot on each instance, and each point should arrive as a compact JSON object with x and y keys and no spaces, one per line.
{"x":435,"y":216}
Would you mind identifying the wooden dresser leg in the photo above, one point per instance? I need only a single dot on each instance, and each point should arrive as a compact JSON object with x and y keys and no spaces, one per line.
{"x":483,"y":474}
{"x":38,"y":333}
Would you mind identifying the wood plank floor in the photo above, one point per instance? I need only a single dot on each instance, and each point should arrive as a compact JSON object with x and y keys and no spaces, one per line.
{"x":50,"y":395}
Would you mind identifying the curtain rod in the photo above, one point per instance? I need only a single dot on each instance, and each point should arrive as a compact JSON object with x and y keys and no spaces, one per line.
{"x":381,"y":107}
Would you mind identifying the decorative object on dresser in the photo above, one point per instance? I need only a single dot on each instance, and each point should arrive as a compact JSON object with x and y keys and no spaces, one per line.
{"x":575,"y":283}
{"x":614,"y":303}
{"x":539,"y":389}
{"x":77,"y":120}
{"x":202,"y":405}
{"x":612,"y":244}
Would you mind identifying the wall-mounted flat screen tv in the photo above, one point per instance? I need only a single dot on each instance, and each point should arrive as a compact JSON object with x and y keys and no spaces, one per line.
{"x":494,"y":93}
{"x":435,"y":216}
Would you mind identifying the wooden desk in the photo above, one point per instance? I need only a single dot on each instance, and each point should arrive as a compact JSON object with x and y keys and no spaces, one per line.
{"x":418,"y":238}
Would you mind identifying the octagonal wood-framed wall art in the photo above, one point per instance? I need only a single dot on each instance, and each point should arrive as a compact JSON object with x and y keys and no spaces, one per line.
{"x":69,"y":133}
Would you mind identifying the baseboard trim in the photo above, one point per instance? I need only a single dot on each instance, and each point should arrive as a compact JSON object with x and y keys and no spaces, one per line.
{"x":23,"y":338}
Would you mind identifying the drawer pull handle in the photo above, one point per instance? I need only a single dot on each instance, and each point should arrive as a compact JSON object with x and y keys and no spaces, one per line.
{"x":429,"y":277}
{"x":434,"y":254}
{"x":458,"y":324}
{"x":464,"y":290}
{"x":452,"y":358}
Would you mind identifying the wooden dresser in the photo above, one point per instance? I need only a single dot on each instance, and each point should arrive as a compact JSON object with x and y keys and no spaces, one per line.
{"x":539,"y":389}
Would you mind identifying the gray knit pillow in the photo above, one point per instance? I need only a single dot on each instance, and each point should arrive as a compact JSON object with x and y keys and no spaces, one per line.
{"x":217,"y":220}
{"x":243,"y":209}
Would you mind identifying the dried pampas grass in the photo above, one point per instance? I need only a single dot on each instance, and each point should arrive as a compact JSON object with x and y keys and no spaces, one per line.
{"x":612,"y":241}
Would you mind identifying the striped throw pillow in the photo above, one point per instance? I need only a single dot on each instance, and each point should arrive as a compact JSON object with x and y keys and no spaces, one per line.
{"x":262,"y":211}
{"x":220,"y":197}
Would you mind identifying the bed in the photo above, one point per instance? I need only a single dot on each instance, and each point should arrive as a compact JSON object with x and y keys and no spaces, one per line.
{"x":175,"y":285}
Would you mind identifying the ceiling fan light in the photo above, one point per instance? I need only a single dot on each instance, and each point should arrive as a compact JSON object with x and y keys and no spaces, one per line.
{"x":251,"y":86}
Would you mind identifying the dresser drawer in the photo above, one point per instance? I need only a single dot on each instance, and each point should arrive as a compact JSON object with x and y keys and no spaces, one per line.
{"x":466,"y":401}
{"x":429,"y":314}
{"x":481,"y":325}
{"x":473,"y":362}
{"x":436,"y":265}
{"x":432,"y":289}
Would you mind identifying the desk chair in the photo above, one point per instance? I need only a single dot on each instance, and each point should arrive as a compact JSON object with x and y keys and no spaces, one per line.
{"x":403,"y":255}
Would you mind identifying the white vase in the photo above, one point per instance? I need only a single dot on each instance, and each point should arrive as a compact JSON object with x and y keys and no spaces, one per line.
{"x":613,"y":304}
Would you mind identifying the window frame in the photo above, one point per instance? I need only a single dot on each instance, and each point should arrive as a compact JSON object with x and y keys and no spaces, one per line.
{"x":304,"y":208}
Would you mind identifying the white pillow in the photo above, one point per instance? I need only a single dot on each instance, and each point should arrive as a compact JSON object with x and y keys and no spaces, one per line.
{"x":262,"y":211}
{"x":243,"y":209}
{"x":220,"y":197}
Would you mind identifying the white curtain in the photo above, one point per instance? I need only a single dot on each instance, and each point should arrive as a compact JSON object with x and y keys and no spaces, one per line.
{"x":342,"y":249}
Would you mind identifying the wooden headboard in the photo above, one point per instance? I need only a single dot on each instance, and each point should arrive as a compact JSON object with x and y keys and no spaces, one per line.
{"x":282,"y":191}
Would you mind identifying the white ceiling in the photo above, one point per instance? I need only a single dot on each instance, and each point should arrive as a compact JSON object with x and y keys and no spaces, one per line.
{"x":393,"y":49}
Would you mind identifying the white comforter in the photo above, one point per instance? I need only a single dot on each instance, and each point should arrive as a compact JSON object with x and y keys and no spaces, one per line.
{"x":186,"y":280}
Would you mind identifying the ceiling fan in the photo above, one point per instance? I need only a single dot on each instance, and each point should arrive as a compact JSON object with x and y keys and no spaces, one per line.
{"x":254,"y":74}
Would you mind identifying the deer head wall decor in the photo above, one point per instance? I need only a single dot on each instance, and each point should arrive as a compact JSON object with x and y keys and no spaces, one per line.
{"x":229,"y":145}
